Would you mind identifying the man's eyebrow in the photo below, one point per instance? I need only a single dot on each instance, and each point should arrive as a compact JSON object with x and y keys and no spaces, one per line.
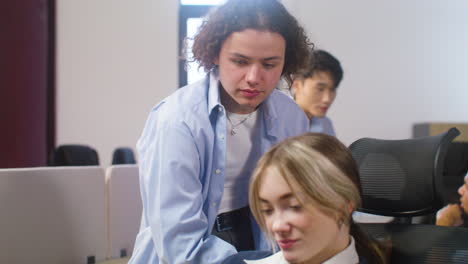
{"x":240,"y":55}
{"x":249,"y":58}
{"x":273,"y":58}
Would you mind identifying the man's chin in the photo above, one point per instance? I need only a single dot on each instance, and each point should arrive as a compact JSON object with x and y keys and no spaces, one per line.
{"x":464,"y":211}
{"x":319,"y":115}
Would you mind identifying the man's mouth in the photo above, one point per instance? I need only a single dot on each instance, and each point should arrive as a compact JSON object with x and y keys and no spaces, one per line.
{"x":250,"y":93}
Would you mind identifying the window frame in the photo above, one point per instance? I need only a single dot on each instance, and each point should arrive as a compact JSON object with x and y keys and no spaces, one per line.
{"x":186,"y":12}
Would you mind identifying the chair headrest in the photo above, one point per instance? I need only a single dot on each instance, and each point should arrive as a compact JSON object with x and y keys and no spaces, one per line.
{"x":401,"y":177}
{"x":74,"y":155}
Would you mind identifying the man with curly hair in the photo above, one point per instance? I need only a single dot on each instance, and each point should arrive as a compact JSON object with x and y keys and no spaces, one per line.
{"x":200,"y":144}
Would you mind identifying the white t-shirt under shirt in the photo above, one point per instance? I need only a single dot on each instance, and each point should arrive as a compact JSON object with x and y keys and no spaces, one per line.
{"x":242,"y":131}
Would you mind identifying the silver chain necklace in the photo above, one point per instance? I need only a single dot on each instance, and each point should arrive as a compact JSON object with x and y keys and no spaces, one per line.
{"x":233,"y":126}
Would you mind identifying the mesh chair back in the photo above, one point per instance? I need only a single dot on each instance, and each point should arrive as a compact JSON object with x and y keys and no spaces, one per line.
{"x":74,"y":155}
{"x":400,"y":177}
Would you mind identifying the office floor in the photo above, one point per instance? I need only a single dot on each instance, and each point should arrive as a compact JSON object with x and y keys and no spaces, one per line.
{"x":116,"y":261}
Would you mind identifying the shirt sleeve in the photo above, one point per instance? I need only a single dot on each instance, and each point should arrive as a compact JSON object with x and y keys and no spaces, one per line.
{"x":172,"y":192}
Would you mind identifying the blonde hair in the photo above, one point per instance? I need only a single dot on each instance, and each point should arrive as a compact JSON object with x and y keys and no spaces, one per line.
{"x":324,"y":172}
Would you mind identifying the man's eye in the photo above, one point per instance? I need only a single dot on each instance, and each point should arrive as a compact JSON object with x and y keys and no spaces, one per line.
{"x":269,"y":65}
{"x":239,"y":62}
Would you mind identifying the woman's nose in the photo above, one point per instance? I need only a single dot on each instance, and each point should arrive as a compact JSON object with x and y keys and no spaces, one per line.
{"x":280,"y":225}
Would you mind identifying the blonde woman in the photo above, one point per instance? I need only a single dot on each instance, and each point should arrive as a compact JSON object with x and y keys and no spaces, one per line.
{"x":302,"y":194}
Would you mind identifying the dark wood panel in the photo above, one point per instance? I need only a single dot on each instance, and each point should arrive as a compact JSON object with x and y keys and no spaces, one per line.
{"x":24,"y":83}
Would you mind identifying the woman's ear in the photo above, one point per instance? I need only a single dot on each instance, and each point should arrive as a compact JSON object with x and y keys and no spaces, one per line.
{"x":216,"y":61}
{"x":351,"y":207}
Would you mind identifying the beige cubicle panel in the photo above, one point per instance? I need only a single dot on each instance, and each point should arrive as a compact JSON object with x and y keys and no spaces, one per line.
{"x":124,"y":208}
{"x":432,"y":129}
{"x":52,"y":215}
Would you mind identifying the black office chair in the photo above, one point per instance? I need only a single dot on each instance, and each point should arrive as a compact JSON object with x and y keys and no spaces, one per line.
{"x":421,"y":244}
{"x":74,"y":155}
{"x":402,"y":178}
{"x":409,"y":244}
{"x":123,"y":156}
{"x":246,"y":255}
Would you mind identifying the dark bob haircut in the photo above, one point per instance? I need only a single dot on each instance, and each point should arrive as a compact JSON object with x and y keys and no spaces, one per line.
{"x":263,"y":15}
{"x":322,"y":61}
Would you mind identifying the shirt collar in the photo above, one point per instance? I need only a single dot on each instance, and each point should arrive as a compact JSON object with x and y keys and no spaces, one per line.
{"x":270,"y":115}
{"x":214,"y":99}
{"x":347,"y":256}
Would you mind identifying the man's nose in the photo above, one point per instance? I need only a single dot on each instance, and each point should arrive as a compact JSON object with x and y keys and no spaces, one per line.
{"x":328,"y":97}
{"x":253,"y":75}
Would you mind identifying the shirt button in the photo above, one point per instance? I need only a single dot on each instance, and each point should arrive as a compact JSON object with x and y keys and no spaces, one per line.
{"x":221,"y":136}
{"x":213,"y":204}
{"x":221,"y":109}
{"x":218,"y":171}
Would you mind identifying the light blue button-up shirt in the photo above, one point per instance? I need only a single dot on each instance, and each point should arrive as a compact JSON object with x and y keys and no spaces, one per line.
{"x":182,"y":154}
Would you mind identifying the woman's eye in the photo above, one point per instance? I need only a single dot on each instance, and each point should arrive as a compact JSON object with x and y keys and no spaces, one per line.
{"x":296,"y":207}
{"x":266,"y":211}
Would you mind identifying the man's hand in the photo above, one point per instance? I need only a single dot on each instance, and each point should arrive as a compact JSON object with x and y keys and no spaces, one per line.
{"x":450,"y":215}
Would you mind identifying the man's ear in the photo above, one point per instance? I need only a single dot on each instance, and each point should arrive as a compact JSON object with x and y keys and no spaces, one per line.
{"x":296,"y":85}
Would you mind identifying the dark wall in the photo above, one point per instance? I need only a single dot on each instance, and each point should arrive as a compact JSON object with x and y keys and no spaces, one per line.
{"x":26,"y":83}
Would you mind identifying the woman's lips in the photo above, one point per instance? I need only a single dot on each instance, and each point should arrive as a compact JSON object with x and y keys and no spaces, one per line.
{"x":286,"y":243}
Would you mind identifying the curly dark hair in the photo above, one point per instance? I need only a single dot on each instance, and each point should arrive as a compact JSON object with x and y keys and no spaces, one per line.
{"x":264,"y":15}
